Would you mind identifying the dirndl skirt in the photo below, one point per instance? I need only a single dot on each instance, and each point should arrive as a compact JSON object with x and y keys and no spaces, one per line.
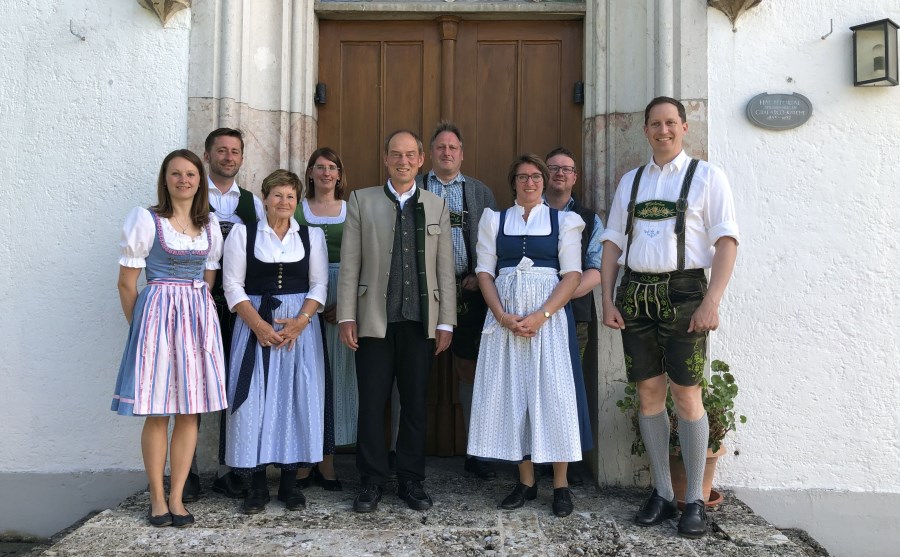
{"x":173,"y":361}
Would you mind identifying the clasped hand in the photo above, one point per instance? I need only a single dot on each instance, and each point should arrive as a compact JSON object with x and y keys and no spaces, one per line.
{"x":523,"y":326}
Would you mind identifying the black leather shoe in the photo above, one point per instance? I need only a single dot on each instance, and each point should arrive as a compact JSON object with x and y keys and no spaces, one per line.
{"x":562,"y":501}
{"x":692,"y":523}
{"x":411,"y":491}
{"x":182,"y":520}
{"x":159,"y":520}
{"x":519,"y":495}
{"x":327,"y":485}
{"x":191,"y":491}
{"x":367,"y":500}
{"x":481,"y":468}
{"x":230,"y":485}
{"x":293,"y":500}
{"x":256,"y":501}
{"x":655,"y":510}
{"x":392,"y":465}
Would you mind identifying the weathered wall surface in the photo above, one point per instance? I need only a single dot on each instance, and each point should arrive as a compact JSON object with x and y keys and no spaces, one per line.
{"x":809,"y":323}
{"x":85,"y":127}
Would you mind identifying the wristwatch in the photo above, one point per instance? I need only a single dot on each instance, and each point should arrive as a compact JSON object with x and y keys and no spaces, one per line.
{"x":546,"y":313}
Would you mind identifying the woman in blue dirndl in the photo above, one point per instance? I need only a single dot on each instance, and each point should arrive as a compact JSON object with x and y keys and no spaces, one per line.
{"x":525,"y":407}
{"x":173,"y":361}
{"x":275,"y":278}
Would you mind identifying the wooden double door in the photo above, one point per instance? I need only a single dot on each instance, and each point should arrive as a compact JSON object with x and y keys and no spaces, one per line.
{"x":509,"y":86}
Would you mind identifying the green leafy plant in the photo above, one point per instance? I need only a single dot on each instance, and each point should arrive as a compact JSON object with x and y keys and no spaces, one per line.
{"x":719,"y":392}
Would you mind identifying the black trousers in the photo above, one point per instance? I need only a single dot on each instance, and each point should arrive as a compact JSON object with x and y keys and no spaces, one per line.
{"x":227,"y":320}
{"x":405,"y":353}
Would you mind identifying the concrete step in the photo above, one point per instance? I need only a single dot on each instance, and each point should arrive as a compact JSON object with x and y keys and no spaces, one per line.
{"x":464,"y":521}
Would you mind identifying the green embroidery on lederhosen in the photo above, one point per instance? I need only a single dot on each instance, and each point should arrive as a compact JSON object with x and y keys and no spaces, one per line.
{"x":462,"y":308}
{"x":696,"y":361}
{"x":629,"y":363}
{"x":629,"y":302}
{"x":647,"y":290}
{"x":457,"y":219}
{"x":655,"y":210}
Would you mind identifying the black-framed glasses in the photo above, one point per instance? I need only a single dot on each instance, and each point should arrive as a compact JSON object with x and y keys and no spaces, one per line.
{"x":536,"y":178}
{"x":564,"y":169}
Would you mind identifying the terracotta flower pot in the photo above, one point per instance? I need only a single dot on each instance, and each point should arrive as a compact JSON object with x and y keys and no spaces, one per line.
{"x":679,"y":479}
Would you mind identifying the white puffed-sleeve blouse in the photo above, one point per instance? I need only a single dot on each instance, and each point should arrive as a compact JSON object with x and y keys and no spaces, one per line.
{"x":538,"y":224}
{"x":269,"y":248}
{"x":139,"y":232}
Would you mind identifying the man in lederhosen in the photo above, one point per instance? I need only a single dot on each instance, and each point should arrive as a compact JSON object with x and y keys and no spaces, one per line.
{"x":670,"y":220}
{"x":232,"y":204}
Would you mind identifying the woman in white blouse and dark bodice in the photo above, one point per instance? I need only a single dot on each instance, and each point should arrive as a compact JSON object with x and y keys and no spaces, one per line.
{"x":324,"y":207}
{"x":173,"y":361}
{"x":275,"y":277}
{"x":524,"y":407}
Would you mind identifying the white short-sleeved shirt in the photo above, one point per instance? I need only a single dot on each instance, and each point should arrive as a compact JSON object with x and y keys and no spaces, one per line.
{"x":226,"y":203}
{"x":269,"y":248}
{"x":538,"y":224}
{"x":710,"y":215}
{"x":139,"y":233}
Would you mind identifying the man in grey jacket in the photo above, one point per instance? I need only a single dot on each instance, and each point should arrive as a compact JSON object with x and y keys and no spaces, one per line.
{"x":467,"y":198}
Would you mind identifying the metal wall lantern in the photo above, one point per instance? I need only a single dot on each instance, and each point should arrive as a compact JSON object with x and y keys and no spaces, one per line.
{"x":875,"y":53}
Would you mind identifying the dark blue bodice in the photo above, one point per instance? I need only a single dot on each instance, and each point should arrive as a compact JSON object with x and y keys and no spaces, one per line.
{"x":164,"y":262}
{"x":543,"y":250}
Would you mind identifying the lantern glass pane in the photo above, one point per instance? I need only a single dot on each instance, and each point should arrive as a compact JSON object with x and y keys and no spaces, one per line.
{"x":870,"y":54}
{"x":891,"y":52}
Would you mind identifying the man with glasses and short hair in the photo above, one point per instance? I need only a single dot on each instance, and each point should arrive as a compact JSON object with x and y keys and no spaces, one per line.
{"x":396,"y":308}
{"x":467,"y":199}
{"x":670,"y":220}
{"x":558,"y":194}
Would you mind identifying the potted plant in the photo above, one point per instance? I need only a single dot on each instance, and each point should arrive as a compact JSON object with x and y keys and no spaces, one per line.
{"x":719,"y":392}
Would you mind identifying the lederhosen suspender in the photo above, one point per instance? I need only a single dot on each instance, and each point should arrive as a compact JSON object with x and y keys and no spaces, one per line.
{"x":681,"y":206}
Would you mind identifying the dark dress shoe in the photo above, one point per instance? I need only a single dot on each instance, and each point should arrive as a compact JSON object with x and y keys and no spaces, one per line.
{"x":327,"y":485}
{"x":692,"y":523}
{"x":230,"y":485}
{"x":159,"y":520}
{"x":412,"y":492}
{"x":182,"y":520}
{"x":392,"y":465}
{"x":519,"y":495}
{"x":655,"y":510}
{"x":256,"y":501}
{"x":367,"y":500}
{"x":293,"y":500}
{"x":191,"y":492}
{"x":481,"y":468}
{"x":562,"y":501}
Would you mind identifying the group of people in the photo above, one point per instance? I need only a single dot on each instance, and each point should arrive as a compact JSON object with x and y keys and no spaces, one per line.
{"x":299,"y":314}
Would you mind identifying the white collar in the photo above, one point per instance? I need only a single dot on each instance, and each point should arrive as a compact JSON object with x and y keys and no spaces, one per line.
{"x":678,"y":162}
{"x":233,"y":189}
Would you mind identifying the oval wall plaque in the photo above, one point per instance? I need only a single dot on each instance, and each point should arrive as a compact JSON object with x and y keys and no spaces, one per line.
{"x":779,"y":111}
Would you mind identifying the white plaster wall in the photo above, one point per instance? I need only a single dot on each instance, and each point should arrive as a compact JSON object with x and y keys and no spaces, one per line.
{"x":84,"y":125}
{"x":810,"y":322}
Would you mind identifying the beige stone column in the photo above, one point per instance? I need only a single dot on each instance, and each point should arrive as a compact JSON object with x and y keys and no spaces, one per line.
{"x":253,"y":67}
{"x":634,"y":51}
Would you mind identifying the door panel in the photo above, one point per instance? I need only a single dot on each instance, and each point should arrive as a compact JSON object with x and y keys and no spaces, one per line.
{"x":511,"y":89}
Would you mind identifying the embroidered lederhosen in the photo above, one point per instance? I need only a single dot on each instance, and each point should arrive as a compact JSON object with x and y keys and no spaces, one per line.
{"x":640,"y":291}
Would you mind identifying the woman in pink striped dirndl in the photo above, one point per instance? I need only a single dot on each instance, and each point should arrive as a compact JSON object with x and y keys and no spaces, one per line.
{"x":173,"y":363}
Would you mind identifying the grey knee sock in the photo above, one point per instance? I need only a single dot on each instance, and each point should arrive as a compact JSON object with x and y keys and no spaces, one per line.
{"x":465,"y":399}
{"x":655,"y":433}
{"x":694,"y":437}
